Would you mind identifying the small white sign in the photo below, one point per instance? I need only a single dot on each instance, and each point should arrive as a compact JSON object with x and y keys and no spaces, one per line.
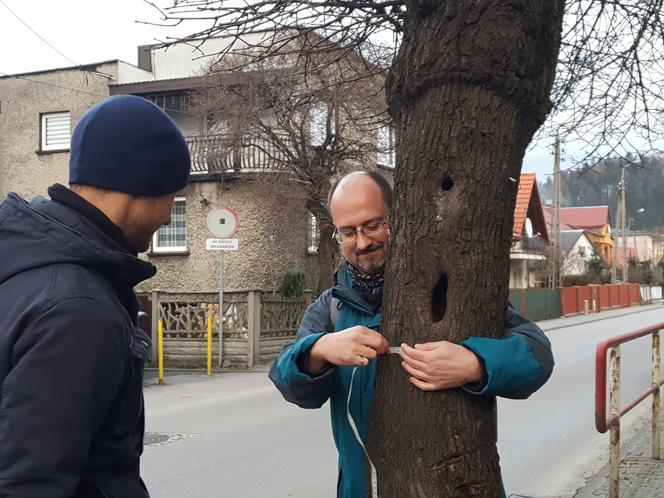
{"x":221,"y":244}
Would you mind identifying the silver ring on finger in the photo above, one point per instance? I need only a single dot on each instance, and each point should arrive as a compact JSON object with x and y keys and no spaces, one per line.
{"x":362,"y":360}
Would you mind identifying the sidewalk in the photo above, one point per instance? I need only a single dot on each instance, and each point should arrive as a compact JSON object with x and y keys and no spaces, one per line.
{"x":572,"y":321}
{"x":640,"y":475}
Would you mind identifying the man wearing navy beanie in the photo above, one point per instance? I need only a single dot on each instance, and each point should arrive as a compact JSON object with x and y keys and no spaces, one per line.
{"x":71,"y":354}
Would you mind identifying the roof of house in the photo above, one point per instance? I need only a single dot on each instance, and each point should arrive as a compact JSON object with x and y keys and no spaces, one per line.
{"x":586,"y":217}
{"x":568,"y":238}
{"x":528,"y":205}
{"x":92,"y":67}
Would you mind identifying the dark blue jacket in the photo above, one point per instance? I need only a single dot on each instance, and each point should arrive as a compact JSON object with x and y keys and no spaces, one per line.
{"x":71,"y":357}
{"x":515,"y":366}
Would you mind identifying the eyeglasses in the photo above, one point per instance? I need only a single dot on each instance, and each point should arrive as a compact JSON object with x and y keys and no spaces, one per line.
{"x":347,"y":235}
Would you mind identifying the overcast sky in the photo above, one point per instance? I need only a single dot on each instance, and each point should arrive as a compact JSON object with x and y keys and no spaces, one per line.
{"x":88,"y":31}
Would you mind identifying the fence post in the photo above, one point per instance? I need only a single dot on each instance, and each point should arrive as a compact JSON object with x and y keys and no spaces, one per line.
{"x":254,"y":325}
{"x":656,"y":435}
{"x":160,"y":340}
{"x":614,"y":451}
{"x":154,"y":302}
{"x":209,"y":341}
{"x":308,"y":296}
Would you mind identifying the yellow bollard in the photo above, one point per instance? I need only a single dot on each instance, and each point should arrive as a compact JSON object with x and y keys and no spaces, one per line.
{"x":160,"y":349}
{"x":209,"y":344}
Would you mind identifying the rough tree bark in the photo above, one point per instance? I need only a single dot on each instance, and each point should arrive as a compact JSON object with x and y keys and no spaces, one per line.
{"x":468,"y":89}
{"x":328,"y":255}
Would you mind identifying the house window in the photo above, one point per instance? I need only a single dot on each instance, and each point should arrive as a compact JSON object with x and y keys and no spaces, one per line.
{"x":173,"y":237}
{"x":318,"y":124}
{"x":313,"y":234}
{"x":55,"y":131}
{"x":386,"y":146}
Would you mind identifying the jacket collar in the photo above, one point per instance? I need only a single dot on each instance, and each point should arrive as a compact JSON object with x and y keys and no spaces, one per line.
{"x":343,"y":290}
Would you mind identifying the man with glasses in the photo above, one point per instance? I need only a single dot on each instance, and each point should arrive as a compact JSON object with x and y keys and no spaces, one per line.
{"x":320,"y":365}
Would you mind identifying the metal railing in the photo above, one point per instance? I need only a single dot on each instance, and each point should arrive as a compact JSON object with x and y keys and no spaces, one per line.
{"x":612,"y":422}
{"x":220,"y":154}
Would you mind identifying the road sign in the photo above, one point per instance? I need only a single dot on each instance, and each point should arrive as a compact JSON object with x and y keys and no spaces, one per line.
{"x":222,"y":222}
{"x":221,"y":244}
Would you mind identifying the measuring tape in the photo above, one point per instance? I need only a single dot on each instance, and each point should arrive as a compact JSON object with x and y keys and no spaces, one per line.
{"x":374,"y":477}
{"x":353,"y":426}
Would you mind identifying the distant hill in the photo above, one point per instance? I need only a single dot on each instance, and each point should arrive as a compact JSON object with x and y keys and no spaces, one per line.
{"x":599,"y":185}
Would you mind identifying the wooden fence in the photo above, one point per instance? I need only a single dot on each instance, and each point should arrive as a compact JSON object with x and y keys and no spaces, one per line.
{"x":256,"y":325}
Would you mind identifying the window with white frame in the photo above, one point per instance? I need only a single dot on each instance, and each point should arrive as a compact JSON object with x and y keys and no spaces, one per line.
{"x":313,"y":234}
{"x":386,"y":146}
{"x":55,"y":131}
{"x":318,"y":124}
{"x":173,"y":237}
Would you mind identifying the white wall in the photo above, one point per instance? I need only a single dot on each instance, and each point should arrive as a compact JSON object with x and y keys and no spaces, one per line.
{"x":184,"y":60}
{"x":128,"y":73}
{"x":575,"y":262}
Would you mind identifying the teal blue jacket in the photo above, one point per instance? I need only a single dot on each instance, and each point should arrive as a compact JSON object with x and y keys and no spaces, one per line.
{"x":515,"y":366}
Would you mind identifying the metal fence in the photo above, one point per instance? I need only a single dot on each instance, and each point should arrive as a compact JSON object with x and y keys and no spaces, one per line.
{"x":612,"y":422}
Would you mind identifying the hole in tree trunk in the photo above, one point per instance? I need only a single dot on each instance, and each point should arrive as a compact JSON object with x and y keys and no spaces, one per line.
{"x":439,"y":299}
{"x":447,"y":184}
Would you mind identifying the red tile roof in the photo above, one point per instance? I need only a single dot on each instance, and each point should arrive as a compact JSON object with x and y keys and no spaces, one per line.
{"x":587,"y":217}
{"x":526,"y":182}
{"x":528,"y":205}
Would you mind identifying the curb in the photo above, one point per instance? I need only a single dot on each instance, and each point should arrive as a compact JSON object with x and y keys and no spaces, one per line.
{"x":591,"y":319}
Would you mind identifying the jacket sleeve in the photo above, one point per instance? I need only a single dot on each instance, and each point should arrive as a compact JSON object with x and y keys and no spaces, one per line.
{"x":288,"y":371}
{"x":66,"y":371}
{"x":516,"y":365}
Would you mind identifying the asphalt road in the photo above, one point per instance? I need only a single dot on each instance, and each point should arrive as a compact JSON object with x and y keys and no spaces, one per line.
{"x":549,"y":442}
{"x":233,"y":435}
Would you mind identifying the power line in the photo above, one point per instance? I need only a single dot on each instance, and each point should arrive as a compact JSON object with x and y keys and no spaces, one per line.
{"x":47,"y":43}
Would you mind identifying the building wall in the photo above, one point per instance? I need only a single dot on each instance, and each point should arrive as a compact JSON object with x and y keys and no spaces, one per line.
{"x":575,"y":262}
{"x":272,"y":238}
{"x":128,"y":73}
{"x":23,"y":169}
{"x":183,"y":60}
{"x":603,"y":242}
{"x":643,"y":246}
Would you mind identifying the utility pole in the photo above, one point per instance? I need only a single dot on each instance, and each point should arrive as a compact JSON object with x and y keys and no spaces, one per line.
{"x":621,"y":232}
{"x":625,"y":231}
{"x":554,"y":276}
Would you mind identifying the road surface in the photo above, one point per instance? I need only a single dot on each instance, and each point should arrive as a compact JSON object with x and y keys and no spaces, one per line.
{"x":233,"y":435}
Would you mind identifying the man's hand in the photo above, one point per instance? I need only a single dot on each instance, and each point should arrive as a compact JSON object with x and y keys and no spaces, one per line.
{"x":353,"y":346}
{"x":440,"y":365}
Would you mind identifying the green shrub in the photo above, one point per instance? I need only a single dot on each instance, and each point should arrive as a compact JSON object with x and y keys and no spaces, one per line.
{"x":293,"y":283}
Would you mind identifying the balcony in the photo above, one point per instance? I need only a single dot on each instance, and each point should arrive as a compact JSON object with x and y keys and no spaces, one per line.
{"x":214,"y":155}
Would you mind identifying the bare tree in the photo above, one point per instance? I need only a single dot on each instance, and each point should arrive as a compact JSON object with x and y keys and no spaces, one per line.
{"x":308,"y":124}
{"x":469,"y":86}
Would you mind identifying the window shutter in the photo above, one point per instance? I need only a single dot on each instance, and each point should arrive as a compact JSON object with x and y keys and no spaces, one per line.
{"x":56,"y":131}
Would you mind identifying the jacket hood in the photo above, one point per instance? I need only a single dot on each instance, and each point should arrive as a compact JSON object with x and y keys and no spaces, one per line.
{"x":29,"y":239}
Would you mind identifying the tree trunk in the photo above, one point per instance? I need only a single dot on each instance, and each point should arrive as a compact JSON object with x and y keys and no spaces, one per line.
{"x":328,"y":257}
{"x":468,"y":89}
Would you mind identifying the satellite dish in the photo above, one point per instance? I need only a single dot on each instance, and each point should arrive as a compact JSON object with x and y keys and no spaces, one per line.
{"x":529,"y":228}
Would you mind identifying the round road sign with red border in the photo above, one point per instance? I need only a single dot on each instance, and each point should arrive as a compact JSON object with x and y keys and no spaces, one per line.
{"x":222,"y":221}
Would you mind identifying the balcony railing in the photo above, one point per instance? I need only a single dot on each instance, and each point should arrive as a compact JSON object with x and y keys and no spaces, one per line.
{"x":535,"y":245}
{"x":219,"y":154}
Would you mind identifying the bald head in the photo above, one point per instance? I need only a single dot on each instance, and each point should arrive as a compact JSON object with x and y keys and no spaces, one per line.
{"x":360,"y":200}
{"x":358,"y":180}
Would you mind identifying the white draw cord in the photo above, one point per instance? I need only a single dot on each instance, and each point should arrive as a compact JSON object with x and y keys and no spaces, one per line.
{"x":374,"y":477}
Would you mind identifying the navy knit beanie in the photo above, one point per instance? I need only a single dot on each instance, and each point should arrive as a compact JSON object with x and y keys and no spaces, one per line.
{"x":128,"y":144}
